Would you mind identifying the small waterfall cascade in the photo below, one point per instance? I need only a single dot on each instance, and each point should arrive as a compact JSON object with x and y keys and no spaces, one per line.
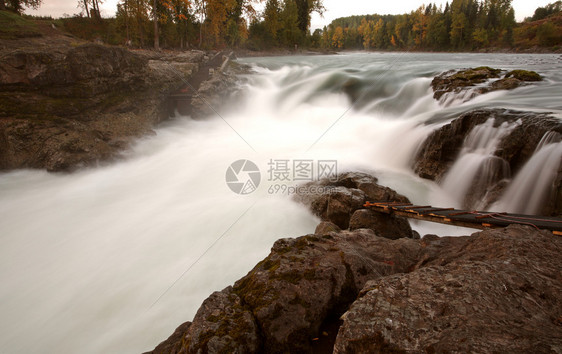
{"x":477,"y":169}
{"x":539,"y":181}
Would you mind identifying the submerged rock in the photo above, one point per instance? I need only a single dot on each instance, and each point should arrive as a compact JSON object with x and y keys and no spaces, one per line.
{"x":479,"y":80}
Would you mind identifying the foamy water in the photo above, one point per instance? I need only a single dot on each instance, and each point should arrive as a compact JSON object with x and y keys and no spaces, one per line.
{"x":113,"y":259}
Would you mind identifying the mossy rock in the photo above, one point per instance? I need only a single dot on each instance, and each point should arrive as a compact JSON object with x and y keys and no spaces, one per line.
{"x":476,"y":75}
{"x":524,"y":75}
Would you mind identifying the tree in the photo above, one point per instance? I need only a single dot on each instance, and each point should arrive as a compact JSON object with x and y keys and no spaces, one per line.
{"x":480,"y":37}
{"x":272,"y":20}
{"x":305,"y":8}
{"x":419,"y":27}
{"x":133,"y":14}
{"x":337,"y":39}
{"x":379,"y":37}
{"x":437,"y":32}
{"x":546,"y":34}
{"x":155,"y":20}
{"x":18,"y":5}
{"x":91,"y":7}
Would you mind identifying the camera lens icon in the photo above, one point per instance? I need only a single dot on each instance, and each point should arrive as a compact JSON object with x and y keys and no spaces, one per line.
{"x":243,"y":177}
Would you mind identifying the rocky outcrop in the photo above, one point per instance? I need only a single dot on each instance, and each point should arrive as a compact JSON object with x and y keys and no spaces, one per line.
{"x":441,"y":148}
{"x":341,"y":202}
{"x":293,"y":295}
{"x":483,"y":79}
{"x":72,"y":106}
{"x":496,"y":290}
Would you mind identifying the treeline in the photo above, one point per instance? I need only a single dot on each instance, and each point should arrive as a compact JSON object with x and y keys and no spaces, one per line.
{"x":460,"y":25}
{"x":198,"y":23}
{"x":285,"y":23}
{"x":215,"y":24}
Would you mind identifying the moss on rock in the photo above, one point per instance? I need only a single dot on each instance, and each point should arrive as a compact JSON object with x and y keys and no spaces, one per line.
{"x":524,"y":75}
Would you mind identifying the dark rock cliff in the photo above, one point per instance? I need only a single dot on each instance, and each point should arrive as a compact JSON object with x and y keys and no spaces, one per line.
{"x":73,"y":106}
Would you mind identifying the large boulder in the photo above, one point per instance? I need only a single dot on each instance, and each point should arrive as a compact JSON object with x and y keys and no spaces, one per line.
{"x":497,"y":291}
{"x":337,"y":200}
{"x":469,"y":83}
{"x":389,"y":226}
{"x":291,"y":297}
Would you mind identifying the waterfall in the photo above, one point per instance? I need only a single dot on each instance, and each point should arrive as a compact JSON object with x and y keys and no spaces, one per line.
{"x":476,"y":168}
{"x":548,"y":138}
{"x":535,"y":183}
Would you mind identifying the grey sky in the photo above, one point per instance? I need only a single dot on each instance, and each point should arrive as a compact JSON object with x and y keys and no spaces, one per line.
{"x":335,"y":8}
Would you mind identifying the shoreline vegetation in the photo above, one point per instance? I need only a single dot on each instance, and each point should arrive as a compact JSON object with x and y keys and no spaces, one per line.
{"x":459,"y":26}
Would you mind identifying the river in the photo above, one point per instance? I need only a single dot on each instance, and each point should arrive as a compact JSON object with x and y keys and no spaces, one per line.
{"x":112,"y":259}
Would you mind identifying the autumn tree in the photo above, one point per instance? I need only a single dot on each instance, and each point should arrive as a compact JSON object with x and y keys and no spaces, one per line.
{"x":337,"y":38}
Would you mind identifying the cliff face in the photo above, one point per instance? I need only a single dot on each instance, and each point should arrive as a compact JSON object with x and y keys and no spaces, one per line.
{"x":66,"y":104}
{"x":355,"y":291}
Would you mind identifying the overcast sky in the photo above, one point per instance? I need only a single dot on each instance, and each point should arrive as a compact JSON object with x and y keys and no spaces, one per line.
{"x":334,"y":8}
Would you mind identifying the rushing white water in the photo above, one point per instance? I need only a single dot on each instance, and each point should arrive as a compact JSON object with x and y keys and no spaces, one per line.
{"x":112,"y":259}
{"x":535,"y":183}
{"x":476,"y":164}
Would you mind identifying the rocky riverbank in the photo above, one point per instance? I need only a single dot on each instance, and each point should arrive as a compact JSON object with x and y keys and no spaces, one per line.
{"x":376,"y":287}
{"x":365,"y":282}
{"x":75,"y":104}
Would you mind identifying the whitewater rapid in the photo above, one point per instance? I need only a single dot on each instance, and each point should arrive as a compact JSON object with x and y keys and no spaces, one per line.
{"x":113,"y":259}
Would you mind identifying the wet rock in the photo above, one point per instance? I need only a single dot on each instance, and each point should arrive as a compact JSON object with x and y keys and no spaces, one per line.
{"x":440,"y":150}
{"x":222,"y":325}
{"x":388,"y":226}
{"x":479,"y":80}
{"x":211,"y":95}
{"x":282,"y":303}
{"x":65,"y":107}
{"x":495,"y":291}
{"x":325,"y":227}
{"x":524,"y":75}
{"x":337,"y":200}
{"x":456,"y":81}
{"x":172,"y":345}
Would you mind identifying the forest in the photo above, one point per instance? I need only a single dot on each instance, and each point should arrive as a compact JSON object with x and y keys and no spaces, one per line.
{"x":461,"y":25}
